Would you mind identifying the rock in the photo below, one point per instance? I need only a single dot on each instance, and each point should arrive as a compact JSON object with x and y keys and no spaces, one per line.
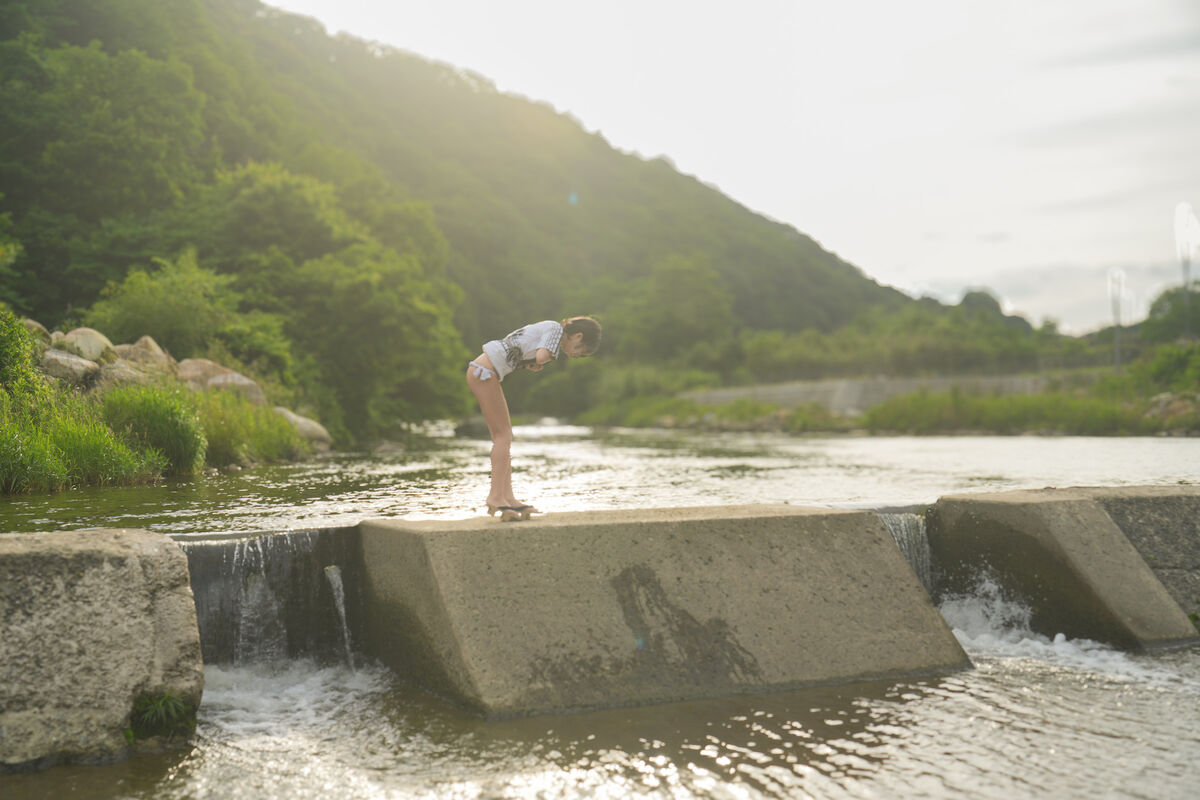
{"x":90,"y":344}
{"x":148,"y":356}
{"x":309,"y":429}
{"x":73,"y":369}
{"x":92,"y":621}
{"x":472,"y":428}
{"x":202,"y":373}
{"x":197,"y":371}
{"x":388,"y":449}
{"x":38,"y":330}
{"x":237,"y":382}
{"x":56,"y":337}
{"x":122,"y":373}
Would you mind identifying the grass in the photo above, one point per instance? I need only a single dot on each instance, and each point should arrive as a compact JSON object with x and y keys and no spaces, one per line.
{"x":52,"y":438}
{"x":1055,"y":412}
{"x":239,"y":432}
{"x":57,"y":440}
{"x":160,"y":715}
{"x":162,"y":418}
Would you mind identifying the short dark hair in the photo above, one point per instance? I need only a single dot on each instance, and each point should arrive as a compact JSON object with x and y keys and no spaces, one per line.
{"x":588,"y":327}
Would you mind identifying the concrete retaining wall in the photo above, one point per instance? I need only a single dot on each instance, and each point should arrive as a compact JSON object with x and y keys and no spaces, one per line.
{"x":1065,"y":553}
{"x":585,"y":610}
{"x":89,"y":621}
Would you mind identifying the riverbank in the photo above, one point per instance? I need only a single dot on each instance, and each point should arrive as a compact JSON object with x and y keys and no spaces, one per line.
{"x":76,"y":411}
{"x":1159,"y":397}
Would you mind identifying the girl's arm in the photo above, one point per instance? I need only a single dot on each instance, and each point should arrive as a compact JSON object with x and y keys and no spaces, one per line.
{"x":540,"y":359}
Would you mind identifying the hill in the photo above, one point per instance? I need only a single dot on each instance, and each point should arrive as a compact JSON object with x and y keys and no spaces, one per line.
{"x":538,"y":213}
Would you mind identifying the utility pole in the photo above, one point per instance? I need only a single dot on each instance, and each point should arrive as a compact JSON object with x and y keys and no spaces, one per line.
{"x":1116,"y":294}
{"x":1187,"y":239}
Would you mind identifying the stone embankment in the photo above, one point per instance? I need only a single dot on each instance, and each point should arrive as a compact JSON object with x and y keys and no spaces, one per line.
{"x":86,"y":359}
{"x":90,"y":622}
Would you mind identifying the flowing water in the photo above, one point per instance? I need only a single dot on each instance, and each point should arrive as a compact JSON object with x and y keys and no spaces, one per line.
{"x":1036,"y":718}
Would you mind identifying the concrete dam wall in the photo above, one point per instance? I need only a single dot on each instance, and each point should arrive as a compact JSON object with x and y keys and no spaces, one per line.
{"x":586,"y":610}
{"x":572,"y":611}
{"x":1117,"y":565}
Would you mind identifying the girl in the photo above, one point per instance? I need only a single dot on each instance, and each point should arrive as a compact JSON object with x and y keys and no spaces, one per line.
{"x":530,"y":347}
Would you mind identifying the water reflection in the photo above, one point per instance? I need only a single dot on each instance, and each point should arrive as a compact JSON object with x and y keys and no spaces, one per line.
{"x":1023,"y":729}
{"x":566,"y":468}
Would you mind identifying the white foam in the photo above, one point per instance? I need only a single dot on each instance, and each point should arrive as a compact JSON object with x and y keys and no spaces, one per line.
{"x":990,"y":625}
{"x":262,"y":699}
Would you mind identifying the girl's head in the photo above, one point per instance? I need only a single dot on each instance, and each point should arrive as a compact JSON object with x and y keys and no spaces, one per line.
{"x":581,"y":336}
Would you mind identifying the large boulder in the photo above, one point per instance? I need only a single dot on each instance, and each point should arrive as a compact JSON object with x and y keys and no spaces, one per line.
{"x":73,"y":369}
{"x":148,"y":356}
{"x":309,"y":429}
{"x":240,"y":384}
{"x":197,"y":371}
{"x":92,"y":622}
{"x":90,"y":344}
{"x":122,"y":373}
{"x":37,"y":330}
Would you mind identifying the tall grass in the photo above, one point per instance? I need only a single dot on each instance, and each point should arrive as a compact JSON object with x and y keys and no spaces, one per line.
{"x":239,"y":432}
{"x":51,"y":438}
{"x":1055,"y":412}
{"x":92,"y":454}
{"x":29,"y":460}
{"x":162,"y":418}
{"x":65,"y":444}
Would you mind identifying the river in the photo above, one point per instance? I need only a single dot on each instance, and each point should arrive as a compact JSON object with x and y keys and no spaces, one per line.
{"x":1036,"y":718}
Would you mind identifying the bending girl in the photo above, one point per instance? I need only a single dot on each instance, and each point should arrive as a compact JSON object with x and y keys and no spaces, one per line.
{"x":529,"y":347}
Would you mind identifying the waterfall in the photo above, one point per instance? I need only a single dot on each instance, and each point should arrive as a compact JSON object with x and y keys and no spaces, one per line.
{"x":269,"y":597}
{"x":334,"y":574}
{"x":908,"y":531}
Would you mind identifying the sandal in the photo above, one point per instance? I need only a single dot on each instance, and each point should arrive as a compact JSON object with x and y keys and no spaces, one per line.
{"x":511,"y":513}
{"x":525,"y":511}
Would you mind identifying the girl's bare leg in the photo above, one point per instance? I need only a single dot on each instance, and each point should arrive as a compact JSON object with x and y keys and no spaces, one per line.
{"x":495,"y":413}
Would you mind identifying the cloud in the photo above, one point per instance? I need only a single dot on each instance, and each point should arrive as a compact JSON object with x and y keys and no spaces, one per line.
{"x":1169,"y":45}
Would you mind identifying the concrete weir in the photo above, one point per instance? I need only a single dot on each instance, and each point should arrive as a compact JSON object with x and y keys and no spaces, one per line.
{"x":584,"y":610}
{"x":1117,"y":565}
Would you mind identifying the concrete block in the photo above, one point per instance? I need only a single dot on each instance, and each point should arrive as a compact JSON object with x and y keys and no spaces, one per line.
{"x":1061,"y":551}
{"x":89,"y":621}
{"x":599,"y":609}
{"x":1163,"y":524}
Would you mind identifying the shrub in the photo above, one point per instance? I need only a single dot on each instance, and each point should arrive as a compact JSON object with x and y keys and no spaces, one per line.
{"x":239,"y":432}
{"x":162,"y":418}
{"x":813,"y":417}
{"x":179,"y":303}
{"x":744,"y":409}
{"x":17,"y":371}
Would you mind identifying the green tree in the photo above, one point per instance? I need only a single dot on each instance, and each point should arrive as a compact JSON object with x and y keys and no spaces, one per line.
{"x":1164,"y":322}
{"x":681,"y":312}
{"x":381,"y":334}
{"x":180,"y":304}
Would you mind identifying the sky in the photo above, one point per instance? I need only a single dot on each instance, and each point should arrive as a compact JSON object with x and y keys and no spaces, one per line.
{"x":1034,"y":148}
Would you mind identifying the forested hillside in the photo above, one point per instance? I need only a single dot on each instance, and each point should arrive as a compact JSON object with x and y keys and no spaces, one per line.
{"x":349,"y":221}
